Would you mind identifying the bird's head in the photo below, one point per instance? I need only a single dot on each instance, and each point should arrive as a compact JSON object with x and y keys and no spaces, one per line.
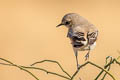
{"x":69,"y":19}
{"x":72,"y":20}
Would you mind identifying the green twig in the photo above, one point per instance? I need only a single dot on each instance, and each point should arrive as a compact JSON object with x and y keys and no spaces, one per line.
{"x":106,"y":73}
{"x":108,"y":66}
{"x":5,"y":64}
{"x":48,"y":72}
{"x":53,"y":62}
{"x":105,"y":67}
{"x":117,"y":62}
{"x":12,"y":64}
{"x":93,"y":65}
{"x":23,"y":68}
{"x":28,"y":72}
{"x":99,"y":74}
{"x":6,"y":61}
{"x":118,"y":58}
{"x":114,"y":60}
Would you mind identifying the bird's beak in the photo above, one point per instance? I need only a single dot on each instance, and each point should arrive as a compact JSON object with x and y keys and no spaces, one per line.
{"x":59,"y":25}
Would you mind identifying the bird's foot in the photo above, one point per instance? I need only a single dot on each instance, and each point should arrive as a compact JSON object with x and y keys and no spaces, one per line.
{"x":87,"y":56}
{"x":78,"y":66}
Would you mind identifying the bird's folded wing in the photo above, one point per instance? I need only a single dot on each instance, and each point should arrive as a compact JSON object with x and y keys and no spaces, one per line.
{"x":92,"y":37}
{"x":76,"y":36}
{"x":72,"y":33}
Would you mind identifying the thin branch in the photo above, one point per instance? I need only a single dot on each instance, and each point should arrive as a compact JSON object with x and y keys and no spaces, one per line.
{"x":118,"y":58}
{"x":48,"y":72}
{"x":117,"y":62}
{"x":105,"y":67}
{"x":23,"y":68}
{"x":106,"y":73}
{"x":93,"y":65}
{"x":12,"y":64}
{"x":108,"y":66}
{"x":114,"y":60}
{"x":53,"y":62}
{"x":99,"y":74}
{"x":5,"y":64}
{"x":6,"y":61}
{"x":28,"y":72}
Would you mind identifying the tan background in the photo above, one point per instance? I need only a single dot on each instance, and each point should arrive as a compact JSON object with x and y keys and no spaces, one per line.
{"x":28,"y":34}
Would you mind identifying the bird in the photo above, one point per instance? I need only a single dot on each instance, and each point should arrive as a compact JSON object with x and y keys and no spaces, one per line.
{"x":83,"y":34}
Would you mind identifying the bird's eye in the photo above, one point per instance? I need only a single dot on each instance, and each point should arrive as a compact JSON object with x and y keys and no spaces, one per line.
{"x":67,"y":23}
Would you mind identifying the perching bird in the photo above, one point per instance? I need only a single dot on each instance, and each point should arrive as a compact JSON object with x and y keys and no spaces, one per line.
{"x":83,"y":34}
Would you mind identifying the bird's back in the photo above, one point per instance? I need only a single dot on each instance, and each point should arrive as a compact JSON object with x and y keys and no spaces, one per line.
{"x":80,"y":35}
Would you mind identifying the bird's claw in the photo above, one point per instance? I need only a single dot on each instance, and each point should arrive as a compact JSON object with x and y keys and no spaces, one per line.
{"x":87,"y":56}
{"x":78,"y":67}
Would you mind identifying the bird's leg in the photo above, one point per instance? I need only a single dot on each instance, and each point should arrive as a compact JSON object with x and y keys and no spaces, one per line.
{"x":87,"y":55}
{"x":76,"y":55}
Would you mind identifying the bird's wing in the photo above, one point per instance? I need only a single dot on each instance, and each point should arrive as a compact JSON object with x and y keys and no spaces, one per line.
{"x":92,"y":37}
{"x":78,"y":38}
{"x":70,"y":33}
{"x":77,"y":34}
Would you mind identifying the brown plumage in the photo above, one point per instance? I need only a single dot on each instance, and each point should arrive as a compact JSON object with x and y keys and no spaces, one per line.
{"x":83,"y":34}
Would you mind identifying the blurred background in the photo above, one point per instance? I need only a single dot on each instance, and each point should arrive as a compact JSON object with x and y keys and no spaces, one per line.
{"x":28,"y":34}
